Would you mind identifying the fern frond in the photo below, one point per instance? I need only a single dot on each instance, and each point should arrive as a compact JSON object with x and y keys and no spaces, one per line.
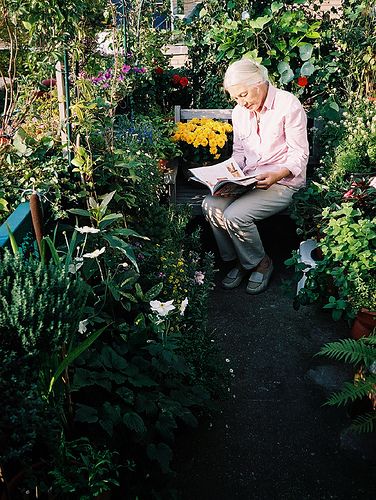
{"x":350,"y":351}
{"x":352,"y":391}
{"x":364,"y":423}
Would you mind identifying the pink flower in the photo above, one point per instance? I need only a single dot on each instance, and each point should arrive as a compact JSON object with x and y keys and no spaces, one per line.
{"x":199,"y":277}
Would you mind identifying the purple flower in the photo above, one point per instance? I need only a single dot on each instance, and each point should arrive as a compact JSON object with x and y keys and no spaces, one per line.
{"x":126,"y":68}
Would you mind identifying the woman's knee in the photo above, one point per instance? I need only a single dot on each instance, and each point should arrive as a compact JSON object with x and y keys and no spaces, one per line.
{"x":237,"y":218}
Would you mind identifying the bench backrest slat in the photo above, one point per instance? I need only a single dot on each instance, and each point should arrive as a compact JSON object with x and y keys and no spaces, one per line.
{"x":188,"y":114}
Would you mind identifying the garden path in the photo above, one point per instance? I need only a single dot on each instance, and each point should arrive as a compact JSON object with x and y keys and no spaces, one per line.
{"x":273,"y":439}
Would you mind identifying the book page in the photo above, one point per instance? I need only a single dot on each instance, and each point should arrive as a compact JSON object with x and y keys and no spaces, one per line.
{"x":227,"y":170}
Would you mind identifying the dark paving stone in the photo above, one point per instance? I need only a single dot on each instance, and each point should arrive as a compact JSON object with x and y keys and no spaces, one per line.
{"x":330,"y":377}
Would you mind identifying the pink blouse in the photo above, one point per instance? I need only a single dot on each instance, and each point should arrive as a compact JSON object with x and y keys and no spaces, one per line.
{"x":278,"y":140}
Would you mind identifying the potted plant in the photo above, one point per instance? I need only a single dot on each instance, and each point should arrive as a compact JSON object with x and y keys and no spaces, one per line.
{"x":363,"y":298}
{"x":202,"y":141}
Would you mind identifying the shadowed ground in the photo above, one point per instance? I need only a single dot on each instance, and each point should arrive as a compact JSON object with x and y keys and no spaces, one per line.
{"x":273,"y":439}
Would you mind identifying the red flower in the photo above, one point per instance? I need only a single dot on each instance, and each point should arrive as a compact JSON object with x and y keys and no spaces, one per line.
{"x":302,"y":81}
{"x":349,"y":194}
{"x":176,"y":79}
{"x":183,"y":81}
{"x":158,"y":70}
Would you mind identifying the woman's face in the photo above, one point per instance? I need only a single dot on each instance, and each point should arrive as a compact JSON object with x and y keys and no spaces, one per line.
{"x":249,"y":96}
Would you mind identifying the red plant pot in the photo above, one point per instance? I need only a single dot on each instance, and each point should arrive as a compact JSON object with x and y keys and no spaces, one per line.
{"x":364,"y":323}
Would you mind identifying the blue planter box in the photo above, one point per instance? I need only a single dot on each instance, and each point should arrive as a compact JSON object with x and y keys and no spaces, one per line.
{"x":20,"y":224}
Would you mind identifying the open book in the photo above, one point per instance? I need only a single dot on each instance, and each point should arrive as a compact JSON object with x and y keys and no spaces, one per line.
{"x":224,"y":179}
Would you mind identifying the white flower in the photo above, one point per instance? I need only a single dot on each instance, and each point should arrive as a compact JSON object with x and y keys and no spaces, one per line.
{"x":82,"y":326}
{"x":95,"y":254}
{"x":76,"y":265}
{"x":162,"y":308}
{"x":183,"y":306}
{"x":227,"y":360}
{"x":86,"y":229}
{"x":199,"y":277}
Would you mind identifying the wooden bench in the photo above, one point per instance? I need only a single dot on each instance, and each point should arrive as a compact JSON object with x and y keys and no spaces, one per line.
{"x":185,"y":193}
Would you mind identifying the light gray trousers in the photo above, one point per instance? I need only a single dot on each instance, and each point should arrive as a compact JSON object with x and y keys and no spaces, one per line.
{"x":233,"y":221}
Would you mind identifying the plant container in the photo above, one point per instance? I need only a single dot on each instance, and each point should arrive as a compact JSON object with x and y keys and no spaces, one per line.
{"x":364,"y":323}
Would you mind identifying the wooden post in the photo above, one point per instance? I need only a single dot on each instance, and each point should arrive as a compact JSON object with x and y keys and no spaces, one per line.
{"x":60,"y":83}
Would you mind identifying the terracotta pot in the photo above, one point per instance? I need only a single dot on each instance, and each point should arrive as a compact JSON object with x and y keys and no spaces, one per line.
{"x":364,"y":323}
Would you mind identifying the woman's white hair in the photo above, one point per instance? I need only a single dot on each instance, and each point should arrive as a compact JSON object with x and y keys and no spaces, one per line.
{"x":245,"y":71}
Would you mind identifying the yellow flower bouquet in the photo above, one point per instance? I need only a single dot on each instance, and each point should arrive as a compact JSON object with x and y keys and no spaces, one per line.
{"x":202,"y":140}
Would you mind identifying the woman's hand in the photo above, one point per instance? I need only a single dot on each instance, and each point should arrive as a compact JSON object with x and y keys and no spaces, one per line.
{"x":267,"y":179}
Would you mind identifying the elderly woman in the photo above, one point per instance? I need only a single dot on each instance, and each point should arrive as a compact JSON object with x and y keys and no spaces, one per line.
{"x":270,"y":141}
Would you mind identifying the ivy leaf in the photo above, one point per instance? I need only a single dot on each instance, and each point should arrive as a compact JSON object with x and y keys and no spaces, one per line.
{"x":307,"y":69}
{"x":134,"y":422}
{"x":260,"y":22}
{"x":305,"y":51}
{"x":287,"y":76}
{"x":283,"y":66}
{"x":276,"y":6}
{"x":162,"y":454}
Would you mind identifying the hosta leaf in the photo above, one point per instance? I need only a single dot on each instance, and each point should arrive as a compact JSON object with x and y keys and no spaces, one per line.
{"x":142,"y":381}
{"x":86,"y":414}
{"x":188,"y":418}
{"x":166,"y":424}
{"x":146,"y":405}
{"x":126,"y":395}
{"x":134,"y":422}
{"x":162,"y":454}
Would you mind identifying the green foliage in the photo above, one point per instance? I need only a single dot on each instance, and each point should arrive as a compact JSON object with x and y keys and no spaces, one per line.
{"x":138,"y":394}
{"x":32,"y":319}
{"x":351,"y":351}
{"x":290,"y":42}
{"x":83,"y":471}
{"x":361,"y":353}
{"x":347,"y":243}
{"x":363,"y":292}
{"x":36,"y":164}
